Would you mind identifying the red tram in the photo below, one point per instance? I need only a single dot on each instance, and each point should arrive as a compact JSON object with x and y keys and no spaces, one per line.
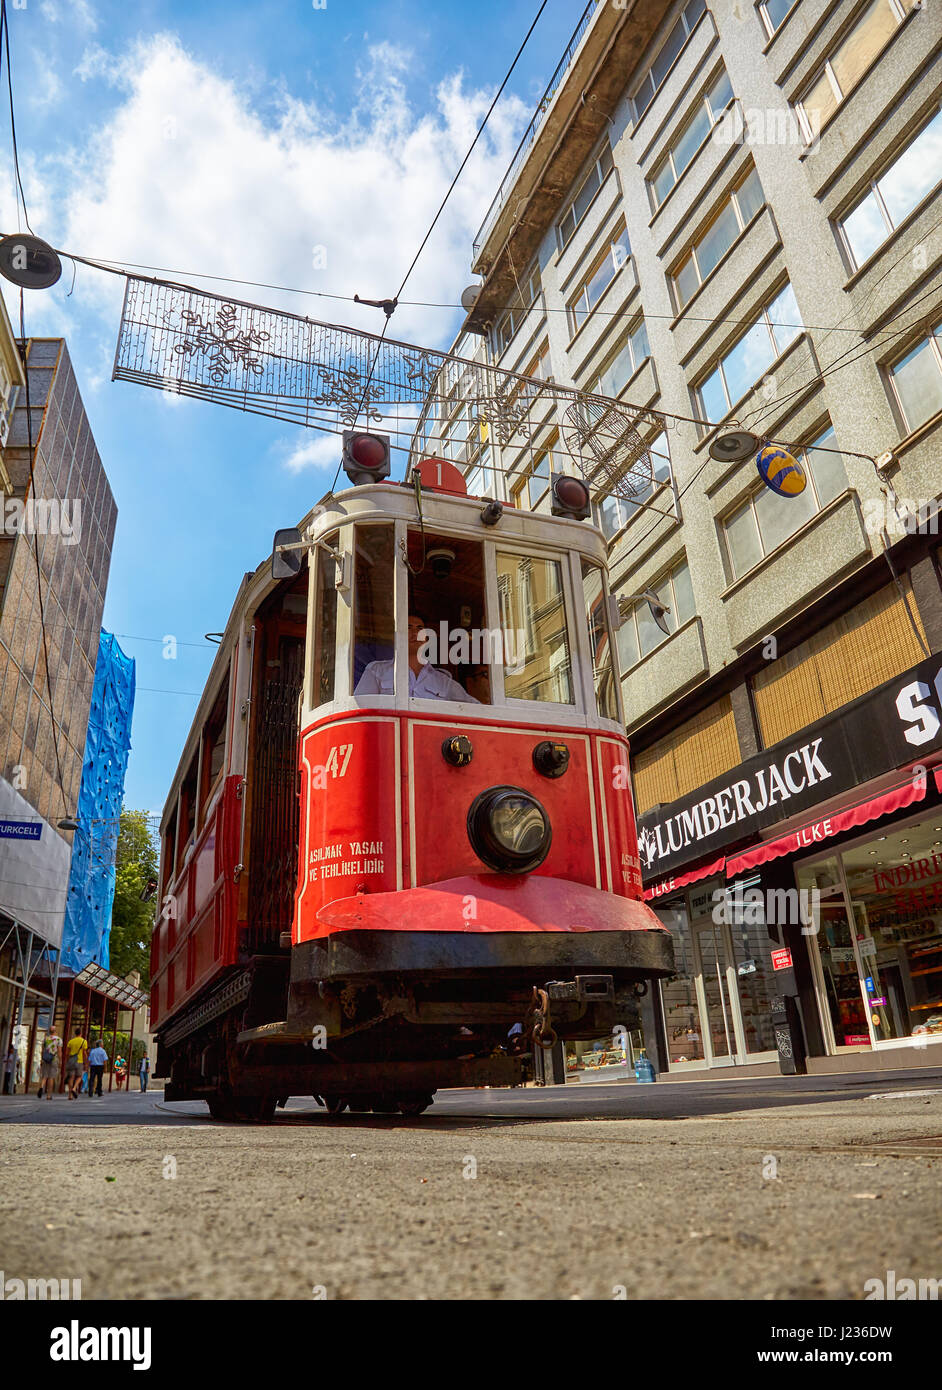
{"x":402,"y":823}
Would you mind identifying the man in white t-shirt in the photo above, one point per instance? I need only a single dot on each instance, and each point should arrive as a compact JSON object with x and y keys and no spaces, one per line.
{"x":426,"y":682}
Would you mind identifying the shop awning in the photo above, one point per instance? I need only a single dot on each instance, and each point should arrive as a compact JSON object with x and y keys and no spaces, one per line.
{"x":836,"y":823}
{"x":670,"y":885}
{"x":937,"y":774}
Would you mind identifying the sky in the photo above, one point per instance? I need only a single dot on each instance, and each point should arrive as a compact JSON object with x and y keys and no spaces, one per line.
{"x":290,"y":142}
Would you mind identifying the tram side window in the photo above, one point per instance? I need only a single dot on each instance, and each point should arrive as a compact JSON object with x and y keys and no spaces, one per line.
{"x":375,"y":583}
{"x":214,"y":745}
{"x":603,"y":669}
{"x":537,"y":660}
{"x":325,"y":625}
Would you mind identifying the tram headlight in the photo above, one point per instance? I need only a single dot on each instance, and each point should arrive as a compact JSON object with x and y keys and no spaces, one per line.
{"x":509,"y":830}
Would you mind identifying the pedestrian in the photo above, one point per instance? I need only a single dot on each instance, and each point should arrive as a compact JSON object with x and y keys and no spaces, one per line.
{"x":96,"y":1068}
{"x":145,"y":1071}
{"x":9,"y":1072}
{"x":49,"y":1062}
{"x":75,"y":1052}
{"x":120,"y":1070}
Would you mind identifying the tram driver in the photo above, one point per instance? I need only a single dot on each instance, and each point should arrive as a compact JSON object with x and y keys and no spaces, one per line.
{"x":426,"y":682}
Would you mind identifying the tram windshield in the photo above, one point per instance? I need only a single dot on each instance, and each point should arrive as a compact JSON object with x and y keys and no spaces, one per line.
{"x":374,"y":625}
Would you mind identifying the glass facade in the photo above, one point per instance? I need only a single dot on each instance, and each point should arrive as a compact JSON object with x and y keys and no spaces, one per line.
{"x":878,"y":950}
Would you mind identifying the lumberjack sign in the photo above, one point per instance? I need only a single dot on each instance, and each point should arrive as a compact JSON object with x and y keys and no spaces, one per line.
{"x":881,"y":731}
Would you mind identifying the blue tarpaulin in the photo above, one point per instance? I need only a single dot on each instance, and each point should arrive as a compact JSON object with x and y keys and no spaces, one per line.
{"x":107,"y":745}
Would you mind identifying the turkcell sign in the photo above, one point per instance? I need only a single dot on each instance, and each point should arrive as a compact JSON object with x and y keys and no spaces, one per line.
{"x":20,"y":829}
{"x":886,"y":729}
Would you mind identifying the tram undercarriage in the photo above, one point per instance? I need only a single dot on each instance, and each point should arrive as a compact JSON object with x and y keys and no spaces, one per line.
{"x":385,"y":1040}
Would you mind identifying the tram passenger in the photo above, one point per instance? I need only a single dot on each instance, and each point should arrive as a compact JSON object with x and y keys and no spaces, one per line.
{"x":426,"y":682}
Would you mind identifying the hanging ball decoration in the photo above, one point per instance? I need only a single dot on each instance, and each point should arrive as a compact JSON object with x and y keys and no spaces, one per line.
{"x":780,"y":471}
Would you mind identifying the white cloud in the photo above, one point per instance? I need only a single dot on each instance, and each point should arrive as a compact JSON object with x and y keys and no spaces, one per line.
{"x":310,"y":450}
{"x":186,"y":174}
{"x":79,"y":11}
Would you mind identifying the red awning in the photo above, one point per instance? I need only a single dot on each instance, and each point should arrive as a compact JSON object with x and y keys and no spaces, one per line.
{"x":670,"y":885}
{"x":813,"y":832}
{"x":937,"y":774}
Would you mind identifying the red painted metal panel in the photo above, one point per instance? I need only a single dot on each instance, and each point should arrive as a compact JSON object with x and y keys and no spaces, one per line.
{"x":350,"y":787}
{"x":492,"y":903}
{"x":441,"y":797}
{"x":619,"y":833}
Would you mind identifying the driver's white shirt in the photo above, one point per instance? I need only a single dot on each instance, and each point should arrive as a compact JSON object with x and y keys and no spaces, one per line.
{"x":429,"y":684}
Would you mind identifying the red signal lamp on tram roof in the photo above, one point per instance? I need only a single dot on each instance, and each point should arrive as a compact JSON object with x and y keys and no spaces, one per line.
{"x":365,"y":457}
{"x":570,"y":497}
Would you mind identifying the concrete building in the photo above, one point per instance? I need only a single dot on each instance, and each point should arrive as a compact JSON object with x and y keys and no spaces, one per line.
{"x":64,"y":512}
{"x":732,"y":213}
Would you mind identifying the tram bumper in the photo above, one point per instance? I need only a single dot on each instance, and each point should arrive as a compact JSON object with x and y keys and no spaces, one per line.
{"x":533,"y":925}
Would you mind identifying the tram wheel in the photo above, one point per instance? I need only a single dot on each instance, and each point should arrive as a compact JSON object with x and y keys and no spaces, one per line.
{"x":335,"y":1105}
{"x":413,"y":1104}
{"x":385,"y":1105}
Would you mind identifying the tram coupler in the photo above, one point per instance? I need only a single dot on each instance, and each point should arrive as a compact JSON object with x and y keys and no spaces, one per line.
{"x":585,"y":989}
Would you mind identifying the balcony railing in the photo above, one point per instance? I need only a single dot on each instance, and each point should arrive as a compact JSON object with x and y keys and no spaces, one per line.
{"x":531,"y":131}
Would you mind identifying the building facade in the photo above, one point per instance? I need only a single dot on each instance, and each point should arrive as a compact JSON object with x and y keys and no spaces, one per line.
{"x":729,"y":215}
{"x":57,"y":508}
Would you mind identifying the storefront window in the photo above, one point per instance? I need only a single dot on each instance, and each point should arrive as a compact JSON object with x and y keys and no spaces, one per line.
{"x":895,"y":887}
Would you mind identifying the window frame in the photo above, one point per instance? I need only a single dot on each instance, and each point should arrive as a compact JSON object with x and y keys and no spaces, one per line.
{"x":615,"y":239}
{"x":703,"y":103}
{"x":637,"y":324}
{"x":691,"y":253}
{"x":934,"y":341}
{"x":826,"y":69}
{"x":517,"y":311}
{"x":749,"y":502}
{"x":519,"y":481}
{"x":667,"y":576}
{"x":603,"y":176}
{"x":542,"y":710}
{"x":766,"y":21}
{"x":873,"y":190}
{"x":717,"y":366}
{"x":690,"y":29}
{"x":658,"y":485}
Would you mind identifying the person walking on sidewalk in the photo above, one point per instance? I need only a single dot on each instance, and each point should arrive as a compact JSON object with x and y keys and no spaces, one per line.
{"x":11,"y":1067}
{"x":96,"y":1069}
{"x":49,"y":1062}
{"x":75,"y":1051}
{"x":145,"y":1071}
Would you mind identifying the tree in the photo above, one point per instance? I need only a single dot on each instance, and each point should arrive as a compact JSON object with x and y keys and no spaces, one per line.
{"x":132,"y":917}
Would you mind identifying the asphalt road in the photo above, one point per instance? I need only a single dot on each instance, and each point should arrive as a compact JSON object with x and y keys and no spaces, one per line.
{"x":774,"y":1188}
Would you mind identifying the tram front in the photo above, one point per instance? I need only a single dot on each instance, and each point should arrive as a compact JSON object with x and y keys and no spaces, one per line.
{"x":468,"y":858}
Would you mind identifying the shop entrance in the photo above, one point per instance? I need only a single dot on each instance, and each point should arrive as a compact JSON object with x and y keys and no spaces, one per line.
{"x":717,"y":1010}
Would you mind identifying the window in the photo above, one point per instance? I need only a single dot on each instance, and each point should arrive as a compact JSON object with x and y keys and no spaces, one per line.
{"x":614,"y":512}
{"x":626,"y":361}
{"x":690,"y":137}
{"x":603,"y":669}
{"x":750,"y":357}
{"x":325,"y":624}
{"x":580,"y":204}
{"x":917,"y":380}
{"x":639,"y":634}
{"x":521,"y":304}
{"x":530,"y":491}
{"x":188,"y":808}
{"x":599,"y":278}
{"x":703,"y":748}
{"x":374,"y":575}
{"x":891,"y":198}
{"x":855,"y":653}
{"x":533,"y":616}
{"x":765,"y":520}
{"x":214,"y":745}
{"x":774,"y":13}
{"x":849,"y":61}
{"x":717,"y":238}
{"x":666,"y":56}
